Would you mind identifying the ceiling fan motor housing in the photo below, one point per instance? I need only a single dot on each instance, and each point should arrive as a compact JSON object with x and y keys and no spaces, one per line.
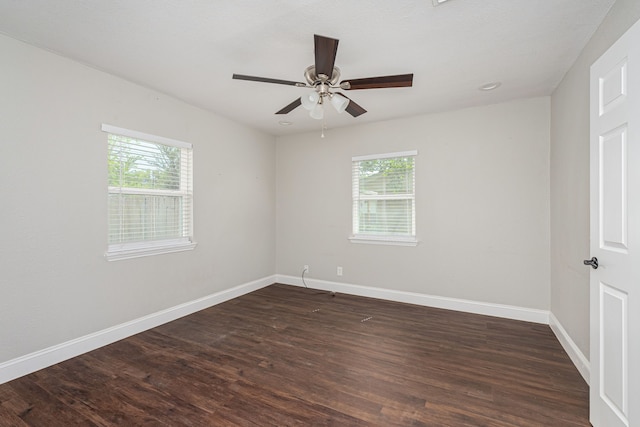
{"x":314,"y":79}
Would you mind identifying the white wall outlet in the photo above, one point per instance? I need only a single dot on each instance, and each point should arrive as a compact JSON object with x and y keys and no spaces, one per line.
{"x":306,"y":269}
{"x":339,"y":271}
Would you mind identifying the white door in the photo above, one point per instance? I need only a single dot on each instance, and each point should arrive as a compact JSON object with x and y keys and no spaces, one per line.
{"x":615,"y":234}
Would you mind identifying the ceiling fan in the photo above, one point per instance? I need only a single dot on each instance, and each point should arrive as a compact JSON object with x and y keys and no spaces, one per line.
{"x":323,"y":78}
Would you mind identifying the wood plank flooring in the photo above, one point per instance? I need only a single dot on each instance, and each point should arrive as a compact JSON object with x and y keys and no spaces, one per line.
{"x":288,"y":356}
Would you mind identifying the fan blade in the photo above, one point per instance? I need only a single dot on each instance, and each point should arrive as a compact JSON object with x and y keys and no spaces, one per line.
{"x":295,"y":104}
{"x":401,"y":80}
{"x":267,"y":80}
{"x":354,"y":109}
{"x":325,"y":50}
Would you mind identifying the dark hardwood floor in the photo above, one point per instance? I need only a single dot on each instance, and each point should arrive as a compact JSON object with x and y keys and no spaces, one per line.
{"x":287,"y":356}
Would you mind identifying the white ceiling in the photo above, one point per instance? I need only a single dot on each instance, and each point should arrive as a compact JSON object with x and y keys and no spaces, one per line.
{"x":191,"y":48}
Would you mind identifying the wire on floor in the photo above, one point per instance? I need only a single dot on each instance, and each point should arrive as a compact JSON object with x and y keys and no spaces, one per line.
{"x":304,"y":270}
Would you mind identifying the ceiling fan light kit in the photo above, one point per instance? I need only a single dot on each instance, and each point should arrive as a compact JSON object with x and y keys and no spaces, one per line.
{"x":310,"y":100}
{"x":339,"y":102}
{"x":317,"y":112}
{"x":323,"y":78}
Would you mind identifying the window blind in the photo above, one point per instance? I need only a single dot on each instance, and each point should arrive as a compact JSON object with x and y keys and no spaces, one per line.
{"x":384,"y":195}
{"x":150,"y":190}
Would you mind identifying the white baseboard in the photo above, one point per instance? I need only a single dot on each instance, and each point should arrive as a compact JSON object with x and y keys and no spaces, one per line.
{"x":489,"y":309}
{"x":35,"y":361}
{"x":576,"y":356}
{"x":498,"y":310}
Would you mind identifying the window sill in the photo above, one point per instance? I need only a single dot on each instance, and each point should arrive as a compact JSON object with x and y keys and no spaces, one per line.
{"x":384,"y":240}
{"x":136,"y":250}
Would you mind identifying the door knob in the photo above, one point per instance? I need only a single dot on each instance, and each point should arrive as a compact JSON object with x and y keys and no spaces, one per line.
{"x":593,"y":262}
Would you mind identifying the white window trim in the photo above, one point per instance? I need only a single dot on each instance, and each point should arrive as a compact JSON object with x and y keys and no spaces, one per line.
{"x":144,"y":136}
{"x":140,"y":249}
{"x":120,"y":251}
{"x":386,"y":239}
{"x":385,"y":156}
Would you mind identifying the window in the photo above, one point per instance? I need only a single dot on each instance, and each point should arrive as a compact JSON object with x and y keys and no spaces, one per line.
{"x":150,"y":194}
{"x":384,"y":199}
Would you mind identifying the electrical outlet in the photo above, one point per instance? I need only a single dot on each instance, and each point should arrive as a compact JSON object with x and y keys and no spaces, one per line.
{"x":306,"y":269}
{"x":339,"y":271}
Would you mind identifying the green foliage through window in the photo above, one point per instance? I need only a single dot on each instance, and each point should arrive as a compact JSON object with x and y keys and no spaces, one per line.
{"x":140,"y":164}
{"x":149,"y":190}
{"x":384,"y":196}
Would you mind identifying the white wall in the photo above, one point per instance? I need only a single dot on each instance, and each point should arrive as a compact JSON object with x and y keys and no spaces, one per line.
{"x":482,"y":189}
{"x":570,"y":179}
{"x":55,"y":284}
